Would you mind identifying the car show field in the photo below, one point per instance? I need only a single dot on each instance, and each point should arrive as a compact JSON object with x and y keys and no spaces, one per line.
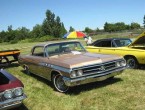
{"x":67,"y":55}
{"x":125,"y":91}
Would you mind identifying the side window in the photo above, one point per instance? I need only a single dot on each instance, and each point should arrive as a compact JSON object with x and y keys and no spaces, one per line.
{"x":98,"y":44}
{"x":38,"y":51}
{"x":103,"y":44}
{"x":53,"y":50}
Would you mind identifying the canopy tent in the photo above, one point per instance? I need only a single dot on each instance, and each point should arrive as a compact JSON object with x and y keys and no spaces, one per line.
{"x":74,"y":34}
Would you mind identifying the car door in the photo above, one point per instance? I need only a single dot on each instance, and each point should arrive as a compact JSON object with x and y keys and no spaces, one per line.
{"x":38,"y":58}
{"x":104,"y":46}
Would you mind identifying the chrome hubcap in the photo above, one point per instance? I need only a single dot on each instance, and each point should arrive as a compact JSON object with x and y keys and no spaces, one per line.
{"x":60,"y":84}
{"x":131,"y":63}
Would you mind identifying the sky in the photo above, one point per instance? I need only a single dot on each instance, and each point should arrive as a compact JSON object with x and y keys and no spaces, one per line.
{"x":76,"y":13}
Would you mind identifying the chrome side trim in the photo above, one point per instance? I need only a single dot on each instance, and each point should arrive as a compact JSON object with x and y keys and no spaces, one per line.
{"x":55,"y":67}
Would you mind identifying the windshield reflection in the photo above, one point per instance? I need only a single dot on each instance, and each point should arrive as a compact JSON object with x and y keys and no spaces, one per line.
{"x":122,"y":42}
{"x":65,"y":47}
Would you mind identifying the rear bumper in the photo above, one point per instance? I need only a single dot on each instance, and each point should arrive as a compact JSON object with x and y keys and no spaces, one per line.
{"x":12,"y":103}
{"x":92,"y":78}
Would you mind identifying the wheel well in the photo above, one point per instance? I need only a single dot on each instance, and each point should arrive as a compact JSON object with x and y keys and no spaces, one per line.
{"x":54,"y":73}
{"x":127,"y":56}
{"x":25,"y":66}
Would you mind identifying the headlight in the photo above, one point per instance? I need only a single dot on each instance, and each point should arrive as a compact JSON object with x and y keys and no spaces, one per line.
{"x":18,"y":91}
{"x":79,"y":73}
{"x":117,"y":64}
{"x":8,"y":94}
{"x":123,"y":63}
{"x":76,"y":73}
{"x":73,"y":74}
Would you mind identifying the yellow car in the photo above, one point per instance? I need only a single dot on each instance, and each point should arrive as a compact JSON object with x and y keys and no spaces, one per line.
{"x":134,"y":53}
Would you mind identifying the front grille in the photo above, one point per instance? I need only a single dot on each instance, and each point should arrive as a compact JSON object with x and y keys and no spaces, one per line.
{"x":110,"y":66}
{"x":99,"y":68}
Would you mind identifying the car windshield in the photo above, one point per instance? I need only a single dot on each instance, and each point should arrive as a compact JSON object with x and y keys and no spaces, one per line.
{"x":122,"y":42}
{"x":65,"y":47}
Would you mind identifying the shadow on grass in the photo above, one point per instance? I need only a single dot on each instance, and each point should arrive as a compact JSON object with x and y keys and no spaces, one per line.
{"x":9,"y":65}
{"x":141,"y":67}
{"x":81,"y":88}
{"x":22,"y":107}
{"x":43,"y":80}
{"x":90,"y":86}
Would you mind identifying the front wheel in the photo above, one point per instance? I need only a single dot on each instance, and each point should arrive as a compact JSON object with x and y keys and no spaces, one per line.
{"x":131,"y":62}
{"x":59,"y":83}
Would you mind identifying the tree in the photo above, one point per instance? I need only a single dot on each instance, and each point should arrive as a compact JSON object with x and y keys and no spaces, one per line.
{"x":106,"y":27}
{"x":135,"y":25}
{"x":52,"y":25}
{"x":71,"y":29}
{"x":10,"y":28}
{"x":37,"y":31}
{"x":120,"y":26}
{"x":2,"y":36}
{"x":47,"y":24}
{"x":97,"y":30}
{"x":88,"y":30}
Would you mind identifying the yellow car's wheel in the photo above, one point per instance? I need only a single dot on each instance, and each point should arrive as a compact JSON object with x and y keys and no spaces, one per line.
{"x":131,"y":62}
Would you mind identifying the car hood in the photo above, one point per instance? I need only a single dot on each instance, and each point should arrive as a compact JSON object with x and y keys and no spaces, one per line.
{"x":140,"y":40}
{"x":82,"y":59}
{"x":13,"y":82}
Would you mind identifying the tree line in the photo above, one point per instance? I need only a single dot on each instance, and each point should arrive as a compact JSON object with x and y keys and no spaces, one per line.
{"x":53,"y":28}
{"x":120,"y":26}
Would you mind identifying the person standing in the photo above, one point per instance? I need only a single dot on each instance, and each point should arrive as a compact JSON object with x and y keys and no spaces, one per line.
{"x":88,"y":40}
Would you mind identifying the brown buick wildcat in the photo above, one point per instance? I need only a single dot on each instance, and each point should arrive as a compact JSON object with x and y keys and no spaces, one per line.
{"x":68,"y":64}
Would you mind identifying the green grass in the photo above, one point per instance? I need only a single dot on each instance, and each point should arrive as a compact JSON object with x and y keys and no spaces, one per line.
{"x":125,"y":92}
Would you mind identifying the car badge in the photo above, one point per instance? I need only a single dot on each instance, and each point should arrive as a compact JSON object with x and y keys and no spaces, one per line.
{"x":102,"y":68}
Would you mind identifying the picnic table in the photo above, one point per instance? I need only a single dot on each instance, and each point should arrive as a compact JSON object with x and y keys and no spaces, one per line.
{"x":8,"y":56}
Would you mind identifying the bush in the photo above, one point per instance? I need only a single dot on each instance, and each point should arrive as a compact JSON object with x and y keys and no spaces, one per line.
{"x":13,"y":41}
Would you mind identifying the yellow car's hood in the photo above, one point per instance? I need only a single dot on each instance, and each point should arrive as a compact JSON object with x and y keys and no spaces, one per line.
{"x":140,"y":40}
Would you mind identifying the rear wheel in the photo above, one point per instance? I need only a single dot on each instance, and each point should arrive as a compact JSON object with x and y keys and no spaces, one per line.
{"x":131,"y":62}
{"x":26,"y":68}
{"x":59,"y":83}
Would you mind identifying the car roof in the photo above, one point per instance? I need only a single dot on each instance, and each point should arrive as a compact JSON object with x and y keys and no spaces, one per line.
{"x":112,"y":39}
{"x":55,"y":42}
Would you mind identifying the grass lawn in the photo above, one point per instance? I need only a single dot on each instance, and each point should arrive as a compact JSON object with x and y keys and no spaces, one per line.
{"x":124,"y":92}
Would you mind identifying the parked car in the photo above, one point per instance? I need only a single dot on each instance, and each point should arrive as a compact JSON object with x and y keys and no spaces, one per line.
{"x":68,"y":64}
{"x":11,"y":91}
{"x":134,"y":53}
{"x":112,"y":42}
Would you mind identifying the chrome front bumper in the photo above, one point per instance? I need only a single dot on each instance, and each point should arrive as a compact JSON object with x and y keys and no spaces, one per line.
{"x":12,"y":103}
{"x":92,"y":78}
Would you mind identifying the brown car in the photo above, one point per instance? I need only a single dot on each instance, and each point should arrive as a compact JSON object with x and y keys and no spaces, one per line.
{"x":67,"y":64}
